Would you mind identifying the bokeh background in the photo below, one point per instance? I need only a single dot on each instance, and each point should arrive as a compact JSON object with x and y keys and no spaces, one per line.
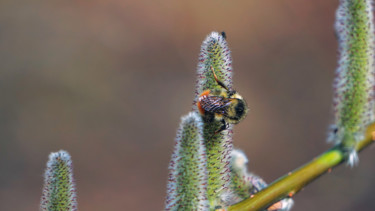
{"x":109,"y":80}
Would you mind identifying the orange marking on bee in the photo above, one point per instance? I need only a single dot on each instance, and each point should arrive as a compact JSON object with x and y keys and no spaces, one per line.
{"x":373,"y":135}
{"x":202,"y":96}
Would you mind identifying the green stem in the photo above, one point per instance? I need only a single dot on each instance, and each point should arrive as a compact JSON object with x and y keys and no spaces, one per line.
{"x":293,"y":182}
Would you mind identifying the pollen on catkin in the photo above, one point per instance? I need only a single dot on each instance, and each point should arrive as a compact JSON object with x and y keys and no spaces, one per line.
{"x":59,"y":192}
{"x":187,"y":183}
{"x":354,"y":82}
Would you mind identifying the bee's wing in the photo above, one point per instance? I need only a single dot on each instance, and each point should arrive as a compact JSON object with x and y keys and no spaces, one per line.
{"x":215,"y":104}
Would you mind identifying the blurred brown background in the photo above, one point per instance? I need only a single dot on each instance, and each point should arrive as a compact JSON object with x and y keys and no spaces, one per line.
{"x":109,"y":80}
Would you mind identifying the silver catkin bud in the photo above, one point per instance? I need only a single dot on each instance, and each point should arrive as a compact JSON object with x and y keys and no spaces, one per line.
{"x":187,"y":182}
{"x":354,"y":82}
{"x":59,"y":192}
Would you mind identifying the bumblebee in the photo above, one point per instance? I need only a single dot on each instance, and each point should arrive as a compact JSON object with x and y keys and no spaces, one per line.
{"x":223,"y":105}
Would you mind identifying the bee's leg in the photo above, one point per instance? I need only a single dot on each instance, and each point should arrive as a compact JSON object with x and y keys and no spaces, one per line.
{"x":223,"y":127}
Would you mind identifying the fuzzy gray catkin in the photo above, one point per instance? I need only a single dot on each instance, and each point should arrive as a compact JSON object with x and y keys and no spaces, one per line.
{"x":59,"y":192}
{"x":354,"y":82}
{"x":215,"y":54}
{"x":187,"y":183}
{"x":244,"y":183}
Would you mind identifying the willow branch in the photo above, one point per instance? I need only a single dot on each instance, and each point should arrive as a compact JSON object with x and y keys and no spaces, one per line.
{"x":293,"y":182}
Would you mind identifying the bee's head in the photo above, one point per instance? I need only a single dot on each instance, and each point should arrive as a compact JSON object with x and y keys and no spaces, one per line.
{"x":237,"y":110}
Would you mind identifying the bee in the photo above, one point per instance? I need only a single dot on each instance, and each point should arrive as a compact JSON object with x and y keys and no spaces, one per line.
{"x":223,"y":104}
